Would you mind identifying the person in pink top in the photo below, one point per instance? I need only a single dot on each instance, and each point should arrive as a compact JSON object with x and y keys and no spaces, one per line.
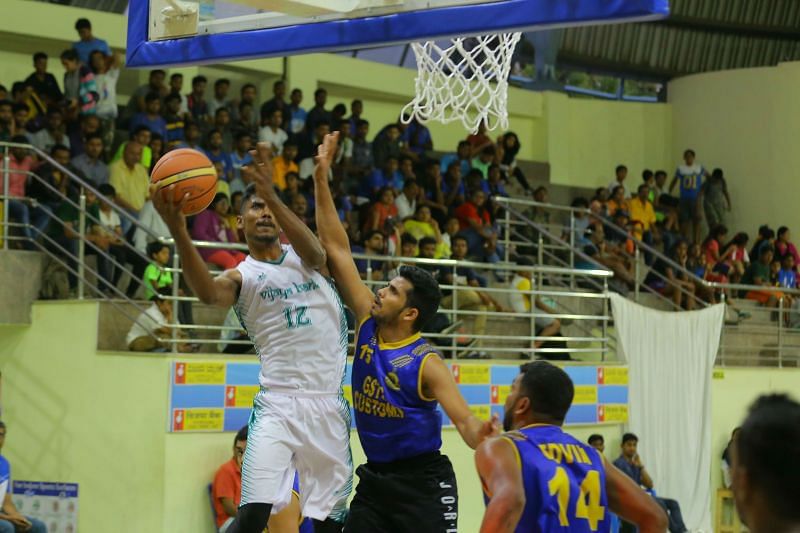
{"x":26,"y":211}
{"x":212,"y":225}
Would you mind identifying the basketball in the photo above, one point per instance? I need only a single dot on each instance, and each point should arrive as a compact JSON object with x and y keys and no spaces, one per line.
{"x":191,"y":172}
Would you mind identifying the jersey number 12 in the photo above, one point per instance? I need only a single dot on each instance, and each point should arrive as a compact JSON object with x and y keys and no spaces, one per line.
{"x":296,"y":316}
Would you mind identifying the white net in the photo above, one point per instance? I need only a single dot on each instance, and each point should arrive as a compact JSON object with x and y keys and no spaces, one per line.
{"x":466,"y":81}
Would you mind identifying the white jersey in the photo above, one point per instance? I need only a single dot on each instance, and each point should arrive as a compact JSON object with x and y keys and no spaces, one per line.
{"x":296,"y":321}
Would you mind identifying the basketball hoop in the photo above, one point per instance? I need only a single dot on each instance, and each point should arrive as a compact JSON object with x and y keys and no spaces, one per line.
{"x":466,"y":81}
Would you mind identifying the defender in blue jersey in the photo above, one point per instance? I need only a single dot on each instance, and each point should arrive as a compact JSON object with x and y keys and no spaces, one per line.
{"x":537,"y":478}
{"x":398,"y":381}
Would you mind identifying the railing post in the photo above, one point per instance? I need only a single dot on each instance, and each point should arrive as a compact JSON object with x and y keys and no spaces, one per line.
{"x":176,"y":278}
{"x":540,"y":250}
{"x":572,"y":248}
{"x":6,"y":164}
{"x":604,"y":342}
{"x":780,"y":332}
{"x":81,"y":243}
{"x":507,"y":240}
{"x":722,"y":331}
{"x":455,"y":313}
{"x":636,"y":272}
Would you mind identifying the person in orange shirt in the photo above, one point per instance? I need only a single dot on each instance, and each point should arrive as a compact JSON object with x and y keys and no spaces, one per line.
{"x":226,"y":492}
{"x":617,"y":201}
{"x":284,"y":163}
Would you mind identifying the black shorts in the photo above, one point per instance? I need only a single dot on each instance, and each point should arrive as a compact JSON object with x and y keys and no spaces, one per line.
{"x":412,"y":495}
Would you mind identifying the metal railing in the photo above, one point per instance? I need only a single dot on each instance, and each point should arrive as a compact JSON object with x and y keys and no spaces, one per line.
{"x":781,"y":344}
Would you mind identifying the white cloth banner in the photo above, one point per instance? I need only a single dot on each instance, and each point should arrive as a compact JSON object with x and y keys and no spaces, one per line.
{"x":670,"y":359}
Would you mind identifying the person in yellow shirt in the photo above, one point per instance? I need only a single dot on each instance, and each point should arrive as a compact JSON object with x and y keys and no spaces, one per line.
{"x":520,"y":302}
{"x":643,"y":217}
{"x":424,"y":225}
{"x":284,"y":164}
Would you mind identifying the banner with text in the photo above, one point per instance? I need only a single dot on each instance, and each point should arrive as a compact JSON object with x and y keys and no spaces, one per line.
{"x":218,"y":395}
{"x":55,"y":504}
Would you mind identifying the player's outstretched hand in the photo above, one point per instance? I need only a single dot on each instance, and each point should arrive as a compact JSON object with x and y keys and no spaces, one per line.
{"x":260,"y":172}
{"x":170,"y":210}
{"x":490,"y":428}
{"x":325,"y":154}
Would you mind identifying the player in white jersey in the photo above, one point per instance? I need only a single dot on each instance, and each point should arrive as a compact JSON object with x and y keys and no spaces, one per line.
{"x":300,"y":419}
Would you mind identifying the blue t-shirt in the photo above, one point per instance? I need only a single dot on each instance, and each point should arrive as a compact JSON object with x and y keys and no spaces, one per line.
{"x":156,"y":125}
{"x":85,"y":49}
{"x":394,"y":419}
{"x":787,"y":278}
{"x":451,"y":158}
{"x":225,"y":158}
{"x":238,"y":162}
{"x":691,"y":180}
{"x":630,"y":470}
{"x":564,"y":481}
{"x":5,"y":477}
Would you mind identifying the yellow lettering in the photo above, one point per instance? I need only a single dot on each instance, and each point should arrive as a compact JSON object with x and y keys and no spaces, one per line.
{"x":366,"y":353}
{"x":555,"y":451}
{"x":584,"y":457}
{"x":546,"y":452}
{"x":566,"y":451}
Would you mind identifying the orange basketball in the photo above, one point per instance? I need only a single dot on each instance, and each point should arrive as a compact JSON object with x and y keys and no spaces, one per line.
{"x":191,"y":172}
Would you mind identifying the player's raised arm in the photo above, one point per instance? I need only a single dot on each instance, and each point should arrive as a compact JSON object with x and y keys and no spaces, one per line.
{"x":630,"y":502}
{"x":499,"y":470}
{"x":302,"y":239}
{"x":357,"y":296}
{"x":438,"y":384}
{"x":222,"y":290}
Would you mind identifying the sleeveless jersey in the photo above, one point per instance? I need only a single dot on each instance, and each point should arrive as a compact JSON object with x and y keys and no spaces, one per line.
{"x":564,"y":480}
{"x":691,"y":180}
{"x":295,"y":319}
{"x":393,"y":418}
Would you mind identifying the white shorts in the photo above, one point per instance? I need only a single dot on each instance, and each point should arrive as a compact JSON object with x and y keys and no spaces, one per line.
{"x":303,"y":433}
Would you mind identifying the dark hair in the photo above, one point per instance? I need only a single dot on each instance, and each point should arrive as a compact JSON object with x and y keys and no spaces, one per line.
{"x":339,"y":108}
{"x":58,"y":148}
{"x":175,"y":75}
{"x":688,"y":151}
{"x":151,"y":97}
{"x":278,"y":82}
{"x":82,"y":24}
{"x":154,"y":247}
{"x":647,"y":174}
{"x":620,"y":168}
{"x":781,"y":231}
{"x":629,"y":437}
{"x":320,"y":91}
{"x":462,"y":144}
{"x":407,"y":238}
{"x":220,"y":196}
{"x":409,"y":183}
{"x":140,"y":129}
{"x":247,"y":86}
{"x":488,"y":150}
{"x":2,"y":425}
{"x":92,"y":136}
{"x":241,"y":435}
{"x":424,"y":295}
{"x":39,"y":55}
{"x":199,"y":79}
{"x":549,"y":389}
{"x":660,"y":173}
{"x":642,"y":186}
{"x":21,"y":107}
{"x":371,"y":233}
{"x":106,"y":189}
{"x":162,"y":293}
{"x":69,"y":55}
{"x":768,"y":447}
{"x":7,"y":103}
{"x":522,"y":260}
{"x":716,"y":232}
{"x":741,"y":238}
{"x":172,"y":97}
{"x":222,"y":81}
{"x":356,"y":101}
{"x":594,"y":437}
{"x":20,"y":139}
{"x":241,"y":134}
{"x":580,"y":201}
{"x":458,"y":237}
{"x":221,"y":110}
{"x":426,"y":241}
{"x":361,"y":122}
{"x":157,"y":71}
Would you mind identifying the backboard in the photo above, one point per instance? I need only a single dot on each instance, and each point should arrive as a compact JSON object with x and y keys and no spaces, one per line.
{"x":176,"y":32}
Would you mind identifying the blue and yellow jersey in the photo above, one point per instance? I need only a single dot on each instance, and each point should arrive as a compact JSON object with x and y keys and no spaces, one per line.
{"x":691,"y":180}
{"x":564,"y":480}
{"x":394,"y":419}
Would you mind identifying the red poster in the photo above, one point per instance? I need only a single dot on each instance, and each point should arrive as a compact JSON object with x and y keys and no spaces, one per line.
{"x":230,"y":396}
{"x":601,"y":413}
{"x":180,"y":373}
{"x":456,"y":373}
{"x":600,"y":375}
{"x":177,"y":420}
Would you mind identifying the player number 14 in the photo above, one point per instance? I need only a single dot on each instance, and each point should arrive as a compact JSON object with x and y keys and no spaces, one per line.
{"x":296,"y":317}
{"x":588,"y":504}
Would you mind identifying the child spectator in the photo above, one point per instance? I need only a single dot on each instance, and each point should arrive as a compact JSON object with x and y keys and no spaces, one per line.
{"x":758,"y":273}
{"x":483,"y":160}
{"x":155,"y":277}
{"x":212,"y":225}
{"x":382,"y":210}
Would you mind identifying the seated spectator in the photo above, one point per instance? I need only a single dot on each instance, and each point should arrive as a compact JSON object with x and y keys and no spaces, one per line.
{"x":157,"y":147}
{"x":220,"y":98}
{"x":580,"y":221}
{"x":155,"y":84}
{"x":735,"y":252}
{"x":88,"y":43}
{"x":766,"y":237}
{"x":597,"y":442}
{"x":620,"y":174}
{"x":461,"y":157}
{"x":388,"y":176}
{"x":88,"y":124}
{"x":483,"y":160}
{"x":374,"y":244}
{"x":595,"y":248}
{"x":10,"y":518}
{"x":296,"y":115}
{"x":758,"y":273}
{"x":283,"y":164}
{"x":272,"y":133}
{"x":617,"y":201}
{"x":494,"y":187}
{"x":212,"y":225}
{"x":381,"y":211}
{"x":479,"y":140}
{"x":142,"y":136}
{"x":476,"y":226}
{"x":643,"y":215}
{"x":387,"y":144}
{"x":193,"y":137}
{"x":363,"y":160}
{"x":230,"y":334}
{"x":8,"y":127}
{"x":451,"y":229}
{"x":151,"y":116}
{"x":52,"y":134}
{"x":21,"y":208}
{"x":406,"y":201}
{"x":222,"y":122}
{"x":424,"y":225}
{"x":106,"y":76}
{"x":507,"y":149}
{"x":109,"y":239}
{"x":153,"y":327}
{"x":243,"y":110}
{"x":453,"y":190}
{"x":317,"y":114}
{"x":196,"y":101}
{"x":344,"y":152}
{"x":631,"y":465}
{"x":784,"y":245}
{"x":417,"y":138}
{"x":715,"y":199}
{"x":431,"y":194}
{"x":90,"y":163}
{"x":307,"y":146}
{"x":240,"y":157}
{"x":217,"y":154}
{"x":53,"y":183}
{"x":712,"y":246}
{"x":474,"y":181}
{"x":292,"y":187}
{"x":44,"y":84}
{"x":299,"y":206}
{"x":727,"y":460}
{"x":787,"y":277}
{"x":407,"y":248}
{"x":673,"y":283}
{"x":520,"y":302}
{"x":80,"y":88}
{"x":174,"y":121}
{"x":131,"y":181}
{"x":22,"y":122}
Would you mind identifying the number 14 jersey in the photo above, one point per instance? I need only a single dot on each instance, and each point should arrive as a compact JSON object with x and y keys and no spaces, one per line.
{"x":295,"y":319}
{"x":564,"y":480}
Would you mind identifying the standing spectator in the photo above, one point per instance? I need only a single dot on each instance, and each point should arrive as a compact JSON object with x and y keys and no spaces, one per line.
{"x":296,"y":115}
{"x":690,"y":175}
{"x":621,"y":172}
{"x":196,"y":101}
{"x":284,"y":164}
{"x":241,"y":157}
{"x":276,"y":103}
{"x":10,"y":518}
{"x":212,"y":225}
{"x":80,"y":88}
{"x":43,"y":83}
{"x":318,"y":113}
{"x":356,"y":110}
{"x":520,"y":301}
{"x":363,"y":160}
{"x":176,"y":87}
{"x":21,"y":208}
{"x":344,"y":153}
{"x":90,"y":162}
{"x":631,"y":465}
{"x":479,"y":140}
{"x":482,"y":161}
{"x":387,"y":144}
{"x":151,"y":117}
{"x":461,"y":157}
{"x":712,"y":248}
{"x":417,"y":139}
{"x":222,"y":122}
{"x":476,"y":226}
{"x":52,"y":134}
{"x":88,"y":43}
{"x":737,"y":256}
{"x":715,"y":199}
{"x":595,"y":249}
{"x":216,"y":154}
{"x":507,"y":149}
{"x":131,"y":181}
{"x":272,"y":133}
{"x":106,"y":76}
{"x":247,"y":98}
{"x":193,"y":137}
{"x":155,"y":84}
{"x":174,"y":121}
{"x":406,"y":201}
{"x":338,"y":112}
{"x":220,"y":98}
{"x":307,"y":145}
